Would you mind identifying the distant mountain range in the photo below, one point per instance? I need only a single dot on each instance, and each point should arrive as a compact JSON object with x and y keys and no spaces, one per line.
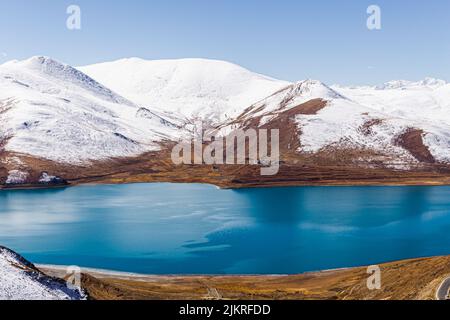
{"x":116,"y":122}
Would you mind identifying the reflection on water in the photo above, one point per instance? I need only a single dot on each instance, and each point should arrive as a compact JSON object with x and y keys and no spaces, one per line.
{"x":191,"y":228}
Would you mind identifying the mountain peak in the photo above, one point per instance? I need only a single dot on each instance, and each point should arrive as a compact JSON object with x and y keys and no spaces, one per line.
{"x":405,"y":84}
{"x":41,"y":60}
{"x":34,"y":62}
{"x":312,"y":88}
{"x":290,"y":97}
{"x":211,"y":89}
{"x":48,"y":68}
{"x":433,"y":82}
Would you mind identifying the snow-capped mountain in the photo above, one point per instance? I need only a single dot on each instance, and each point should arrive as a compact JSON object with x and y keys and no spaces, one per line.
{"x":423,"y":105}
{"x":210,"y":90}
{"x":20,"y":280}
{"x":408,"y":121}
{"x":427,"y":100}
{"x":430,"y":83}
{"x":287,"y":98}
{"x":53,"y":111}
{"x":105,"y":117}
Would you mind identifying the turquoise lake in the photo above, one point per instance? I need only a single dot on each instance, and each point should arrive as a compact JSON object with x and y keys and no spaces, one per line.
{"x":199,"y":229}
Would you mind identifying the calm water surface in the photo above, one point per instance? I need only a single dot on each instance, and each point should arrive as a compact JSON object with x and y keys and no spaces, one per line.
{"x":198,"y":229}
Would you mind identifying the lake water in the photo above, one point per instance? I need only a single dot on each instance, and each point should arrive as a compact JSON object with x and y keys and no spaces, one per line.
{"x":199,"y":229}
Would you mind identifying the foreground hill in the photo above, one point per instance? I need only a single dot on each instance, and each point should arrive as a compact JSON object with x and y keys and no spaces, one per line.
{"x":416,"y":279}
{"x":20,"y":280}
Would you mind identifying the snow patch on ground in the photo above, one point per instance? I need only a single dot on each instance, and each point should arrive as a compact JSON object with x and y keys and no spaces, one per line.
{"x":46,"y":178}
{"x":16,"y":177}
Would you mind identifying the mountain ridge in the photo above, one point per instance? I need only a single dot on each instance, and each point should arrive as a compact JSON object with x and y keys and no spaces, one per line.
{"x":54,"y":116}
{"x":214,"y":90}
{"x":51,"y":110}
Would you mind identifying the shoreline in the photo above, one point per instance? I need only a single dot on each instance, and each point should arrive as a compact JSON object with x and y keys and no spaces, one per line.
{"x":133,"y":275}
{"x":117,"y":273}
{"x":412,"y":279}
{"x":340,"y":184}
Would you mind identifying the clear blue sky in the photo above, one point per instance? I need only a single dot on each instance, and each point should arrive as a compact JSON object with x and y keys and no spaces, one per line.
{"x":287,"y":39}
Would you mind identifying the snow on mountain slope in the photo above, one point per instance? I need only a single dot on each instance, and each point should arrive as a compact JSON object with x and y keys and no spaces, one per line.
{"x":195,"y":88}
{"x":53,"y":111}
{"x":362,"y":118}
{"x":423,"y":105}
{"x":51,"y":69}
{"x":20,"y":280}
{"x":346,"y":124}
{"x":287,"y":98}
{"x":405,"y":84}
{"x":424,"y":100}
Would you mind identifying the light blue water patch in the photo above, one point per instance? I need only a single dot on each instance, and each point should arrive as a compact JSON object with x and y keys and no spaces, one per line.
{"x":199,"y":229}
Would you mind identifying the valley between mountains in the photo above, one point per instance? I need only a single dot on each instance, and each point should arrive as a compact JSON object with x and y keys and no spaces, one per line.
{"x":117,"y":122}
